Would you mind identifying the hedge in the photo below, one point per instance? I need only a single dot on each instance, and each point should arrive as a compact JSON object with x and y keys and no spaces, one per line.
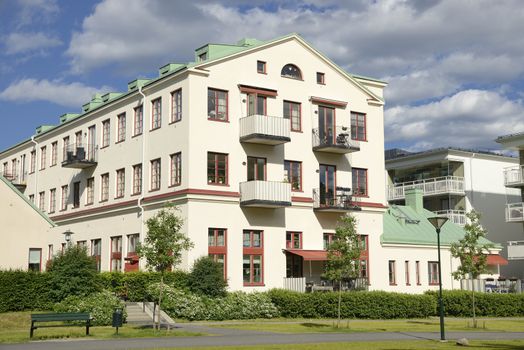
{"x":367,"y":305}
{"x":22,"y":290}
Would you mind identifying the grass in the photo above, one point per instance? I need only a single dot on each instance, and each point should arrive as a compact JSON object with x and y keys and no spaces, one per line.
{"x":14,"y":328}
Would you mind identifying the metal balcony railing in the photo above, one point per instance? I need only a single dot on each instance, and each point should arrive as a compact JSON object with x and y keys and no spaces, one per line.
{"x":270,"y":194}
{"x":335,"y":141}
{"x":515,"y":212}
{"x":80,"y":155}
{"x":516,"y":250}
{"x":429,"y":187}
{"x":455,"y":216}
{"x":265,"y":129}
{"x":15,"y":178}
{"x":341,"y":200}
{"x":514,"y":176}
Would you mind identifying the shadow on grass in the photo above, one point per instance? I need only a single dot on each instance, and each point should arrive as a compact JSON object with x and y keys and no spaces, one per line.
{"x":500,"y":346}
{"x":430,"y":323}
{"x":316,"y":325}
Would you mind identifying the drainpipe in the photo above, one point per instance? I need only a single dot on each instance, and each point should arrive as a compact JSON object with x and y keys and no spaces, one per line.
{"x":141,"y":198}
{"x":36,"y":170}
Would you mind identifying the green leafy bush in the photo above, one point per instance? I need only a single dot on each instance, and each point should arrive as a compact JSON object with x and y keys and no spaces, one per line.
{"x":24,"y":290}
{"x":100,"y":305}
{"x":207,"y":278}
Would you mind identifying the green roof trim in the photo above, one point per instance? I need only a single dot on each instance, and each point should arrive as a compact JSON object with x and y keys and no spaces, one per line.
{"x":135,"y":84}
{"x":170,"y":67}
{"x":44,"y":128}
{"x":64,"y":118}
{"x":20,"y":194}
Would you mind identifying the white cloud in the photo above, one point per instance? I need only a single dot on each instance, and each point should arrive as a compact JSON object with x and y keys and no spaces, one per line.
{"x":33,"y":11}
{"x":16,"y":43}
{"x":65,"y":94}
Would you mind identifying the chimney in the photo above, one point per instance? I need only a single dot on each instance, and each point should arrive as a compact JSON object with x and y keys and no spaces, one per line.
{"x":414,"y":199}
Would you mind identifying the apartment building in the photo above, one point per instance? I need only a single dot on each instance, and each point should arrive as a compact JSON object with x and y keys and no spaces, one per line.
{"x":455,"y":181}
{"x":261,"y":146}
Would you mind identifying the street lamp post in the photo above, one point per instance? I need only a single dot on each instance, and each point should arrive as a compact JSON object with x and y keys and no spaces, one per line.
{"x":438,"y":222}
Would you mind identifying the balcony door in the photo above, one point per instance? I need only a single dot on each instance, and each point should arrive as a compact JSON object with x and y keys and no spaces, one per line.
{"x":256,"y":104}
{"x":256,"y":169}
{"x":327,"y":184}
{"x":91,"y":137}
{"x":326,"y":125}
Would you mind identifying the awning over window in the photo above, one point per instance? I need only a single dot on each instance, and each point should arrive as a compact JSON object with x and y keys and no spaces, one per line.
{"x":495,"y":259}
{"x":309,"y":255}
{"x":327,"y":101}
{"x":257,"y":90}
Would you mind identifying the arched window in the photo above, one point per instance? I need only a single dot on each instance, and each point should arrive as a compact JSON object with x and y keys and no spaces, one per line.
{"x":291,"y":71}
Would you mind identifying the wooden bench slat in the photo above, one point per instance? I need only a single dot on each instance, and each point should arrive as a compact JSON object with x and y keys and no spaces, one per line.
{"x":56,"y":317}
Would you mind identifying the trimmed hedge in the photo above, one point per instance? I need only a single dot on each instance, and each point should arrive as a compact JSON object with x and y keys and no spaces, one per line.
{"x":370,"y":305}
{"x":22,"y":290}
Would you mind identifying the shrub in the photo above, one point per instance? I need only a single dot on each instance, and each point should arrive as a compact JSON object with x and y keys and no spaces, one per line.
{"x":207,"y":278}
{"x":100,"y":305}
{"x":24,"y":290}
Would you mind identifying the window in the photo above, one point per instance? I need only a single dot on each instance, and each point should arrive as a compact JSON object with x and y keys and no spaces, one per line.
{"x":104,"y":187}
{"x":96,"y":251}
{"x":360,"y":182}
{"x":43,"y":160}
{"x":91,"y":139}
{"x":392,"y":274}
{"x":293,"y":174}
{"x":217,"y":247}
{"x":76,"y":194}
{"x":137,"y":179}
{"x":261,"y":67}
{"x":202,"y":57}
{"x":41,"y":201}
{"x":176,"y":106}
{"x":139,"y":121}
{"x":82,"y":244}
{"x":433,"y":272}
{"x":217,"y":168}
{"x":65,"y":143}
{"x":120,"y":183}
{"x":78,"y":139}
{"x":321,"y":78}
{"x":363,"y":268}
{"x":417,"y":272}
{"x":121,"y":128}
{"x":35,"y":259}
{"x":291,"y":71}
{"x":13,"y":168}
{"x":54,"y":153}
{"x":106,"y":132}
{"x":52,"y":200}
{"x":5,"y":172}
{"x":256,"y":169}
{"x":63,"y":202}
{"x":90,"y":187}
{"x":253,"y":252}
{"x":32,"y":165}
{"x":217,"y":105}
{"x":155,"y":174}
{"x":293,"y":240}
{"x":49,"y":252}
{"x":116,"y":253}
{"x":406,"y":266}
{"x":256,"y":104}
{"x":292,"y":111}
{"x":327,"y":240}
{"x":32,"y":198}
{"x":156,"y":113}
{"x":132,"y":241}
{"x":176,"y":169}
{"x":358,"y":126}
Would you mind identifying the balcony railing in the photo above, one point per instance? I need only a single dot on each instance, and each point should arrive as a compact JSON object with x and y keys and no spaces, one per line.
{"x":514,"y":176}
{"x":334,"y":142}
{"x":265,"y":129}
{"x":80,"y":156}
{"x":430,"y":187}
{"x":18,"y":180}
{"x":266,"y":194}
{"x":340,"y":201}
{"x":516,"y":250}
{"x":455,"y":216}
{"x":515,"y":212}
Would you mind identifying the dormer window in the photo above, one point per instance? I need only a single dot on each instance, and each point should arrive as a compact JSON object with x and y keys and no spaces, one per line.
{"x":291,"y":71}
{"x":202,"y":57}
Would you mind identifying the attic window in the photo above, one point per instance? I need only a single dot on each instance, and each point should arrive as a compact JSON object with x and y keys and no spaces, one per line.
{"x":202,"y":56}
{"x":291,"y":71}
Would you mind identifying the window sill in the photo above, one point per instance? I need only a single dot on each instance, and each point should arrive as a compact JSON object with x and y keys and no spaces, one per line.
{"x":297,"y":191}
{"x":365,"y":140}
{"x":117,"y":142}
{"x":283,"y":76}
{"x":393,"y":284}
{"x":62,"y":210}
{"x":254,"y":284}
{"x":262,"y":73}
{"x":103,"y":201}
{"x":433,"y":284}
{"x":154,"y":190}
{"x":297,"y":131}
{"x":89,"y":204}
{"x":218,"y":120}
{"x":102,"y":147}
{"x":361,"y":195}
{"x":217,"y":184}
{"x":51,"y":212}
{"x":52,"y":165}
{"x":153,"y":129}
{"x":174,"y":185}
{"x":119,"y":197}
{"x":75,"y":207}
{"x":321,"y":83}
{"x":136,"y":135}
{"x":175,"y":121}
{"x":136,"y":194}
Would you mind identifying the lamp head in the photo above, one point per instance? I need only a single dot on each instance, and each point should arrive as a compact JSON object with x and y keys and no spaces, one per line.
{"x":67,"y":235}
{"x":438,"y":221}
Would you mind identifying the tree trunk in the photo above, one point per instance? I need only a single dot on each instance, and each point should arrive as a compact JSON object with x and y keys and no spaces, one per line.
{"x":473,"y":302}
{"x":339,"y":301}
{"x":160,"y":298}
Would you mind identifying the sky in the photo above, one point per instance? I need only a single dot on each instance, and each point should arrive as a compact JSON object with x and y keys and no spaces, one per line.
{"x":455,"y":68}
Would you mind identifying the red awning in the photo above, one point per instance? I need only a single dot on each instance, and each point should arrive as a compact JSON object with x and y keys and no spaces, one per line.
{"x":309,"y":255}
{"x":495,"y":259}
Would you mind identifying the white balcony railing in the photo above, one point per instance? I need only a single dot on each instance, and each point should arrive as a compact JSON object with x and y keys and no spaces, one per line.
{"x":515,"y":250}
{"x":514,"y":176}
{"x":265,"y":193}
{"x":296,"y":284}
{"x":455,"y":216}
{"x":264,"y":126}
{"x":515,"y":212}
{"x":433,"y":186}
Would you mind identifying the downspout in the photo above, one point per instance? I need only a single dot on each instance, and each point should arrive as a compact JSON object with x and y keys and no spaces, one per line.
{"x":36,"y":170}
{"x":141,"y":198}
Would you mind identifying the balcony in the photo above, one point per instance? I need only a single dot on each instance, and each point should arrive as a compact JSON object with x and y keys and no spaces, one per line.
{"x":516,"y":250}
{"x":515,"y":212}
{"x":19,"y":181}
{"x":265,"y":130}
{"x":445,"y":185}
{"x":514,"y":176}
{"x":341,"y":201}
{"x":80,"y":156}
{"x":265,"y":194}
{"x":455,"y":216}
{"x":338,"y":142}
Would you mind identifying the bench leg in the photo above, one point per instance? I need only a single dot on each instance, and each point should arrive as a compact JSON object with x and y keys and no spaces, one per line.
{"x":87,"y":327}
{"x":31,"y":331}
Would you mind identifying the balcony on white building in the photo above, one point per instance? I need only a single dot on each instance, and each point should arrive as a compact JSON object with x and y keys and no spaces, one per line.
{"x":265,"y":194}
{"x":455,"y":216}
{"x":334,"y":142}
{"x":444,"y":185}
{"x":515,"y":212}
{"x":80,"y":156}
{"x":514,"y":176}
{"x":18,"y":180}
{"x":341,"y":201}
{"x":516,"y":250}
{"x":265,"y":129}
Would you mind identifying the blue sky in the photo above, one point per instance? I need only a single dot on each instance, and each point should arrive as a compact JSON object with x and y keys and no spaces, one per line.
{"x":455,"y":68}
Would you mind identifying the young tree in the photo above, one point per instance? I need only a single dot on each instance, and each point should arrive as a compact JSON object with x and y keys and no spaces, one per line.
{"x":344,"y":255}
{"x":472,"y":253}
{"x":207,"y":278}
{"x":163,"y":246}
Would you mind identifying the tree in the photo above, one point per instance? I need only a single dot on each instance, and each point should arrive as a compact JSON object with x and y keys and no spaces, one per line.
{"x":344,"y":255}
{"x":472,"y":252}
{"x":73,"y":272}
{"x":163,"y":246}
{"x":207,"y":278}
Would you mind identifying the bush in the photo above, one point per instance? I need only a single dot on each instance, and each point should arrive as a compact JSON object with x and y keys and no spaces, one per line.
{"x":100,"y":305}
{"x":24,"y":290}
{"x":207,"y":278}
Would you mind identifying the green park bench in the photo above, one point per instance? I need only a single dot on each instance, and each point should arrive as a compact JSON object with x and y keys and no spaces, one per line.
{"x":60,"y":317}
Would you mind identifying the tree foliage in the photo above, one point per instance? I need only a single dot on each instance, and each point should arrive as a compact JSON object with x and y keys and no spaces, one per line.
{"x":207,"y":278}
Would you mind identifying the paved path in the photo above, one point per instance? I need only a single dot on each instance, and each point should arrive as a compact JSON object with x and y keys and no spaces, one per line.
{"x":226,"y":337}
